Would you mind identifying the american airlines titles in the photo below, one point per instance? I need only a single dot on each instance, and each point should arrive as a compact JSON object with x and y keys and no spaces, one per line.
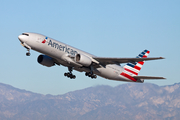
{"x":62,"y":48}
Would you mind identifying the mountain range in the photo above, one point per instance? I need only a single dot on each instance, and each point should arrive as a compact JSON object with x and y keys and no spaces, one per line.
{"x":137,"y":101}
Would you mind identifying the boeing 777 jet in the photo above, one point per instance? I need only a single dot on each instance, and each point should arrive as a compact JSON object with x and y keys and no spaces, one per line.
{"x":58,"y":53}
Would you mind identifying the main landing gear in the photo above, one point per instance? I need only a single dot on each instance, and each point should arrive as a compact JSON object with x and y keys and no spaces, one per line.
{"x":69,"y":74}
{"x":90,"y":74}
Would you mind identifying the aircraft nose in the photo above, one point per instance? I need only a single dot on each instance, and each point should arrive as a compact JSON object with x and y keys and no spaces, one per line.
{"x":20,"y":37}
{"x":24,"y":37}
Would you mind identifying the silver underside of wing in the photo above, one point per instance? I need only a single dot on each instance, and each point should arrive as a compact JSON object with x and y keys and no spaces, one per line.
{"x":123,"y":60}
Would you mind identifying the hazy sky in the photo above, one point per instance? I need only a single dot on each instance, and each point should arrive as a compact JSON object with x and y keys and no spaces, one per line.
{"x":104,"y":28}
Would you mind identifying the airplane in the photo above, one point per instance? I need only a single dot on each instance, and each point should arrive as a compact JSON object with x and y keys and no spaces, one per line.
{"x":58,"y":53}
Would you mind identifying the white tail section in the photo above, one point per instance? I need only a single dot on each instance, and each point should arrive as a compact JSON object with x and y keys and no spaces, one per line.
{"x":133,"y":68}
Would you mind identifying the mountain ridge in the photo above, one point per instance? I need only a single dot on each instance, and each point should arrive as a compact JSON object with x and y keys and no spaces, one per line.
{"x":127,"y":101}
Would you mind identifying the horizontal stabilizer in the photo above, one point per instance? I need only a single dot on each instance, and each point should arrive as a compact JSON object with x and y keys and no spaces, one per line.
{"x":147,"y":77}
{"x":123,"y":60}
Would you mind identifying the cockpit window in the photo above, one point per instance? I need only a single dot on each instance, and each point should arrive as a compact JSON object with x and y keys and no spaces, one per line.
{"x":25,"y":34}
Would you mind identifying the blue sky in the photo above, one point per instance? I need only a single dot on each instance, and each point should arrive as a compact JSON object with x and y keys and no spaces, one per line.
{"x":104,"y":28}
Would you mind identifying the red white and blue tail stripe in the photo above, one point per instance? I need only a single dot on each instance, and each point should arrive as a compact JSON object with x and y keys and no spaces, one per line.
{"x":133,"y":68}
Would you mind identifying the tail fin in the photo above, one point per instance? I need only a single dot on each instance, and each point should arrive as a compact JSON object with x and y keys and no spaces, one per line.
{"x":133,"y":68}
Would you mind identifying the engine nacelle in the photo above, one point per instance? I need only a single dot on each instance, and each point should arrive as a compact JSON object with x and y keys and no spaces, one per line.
{"x":83,"y":60}
{"x":45,"y":60}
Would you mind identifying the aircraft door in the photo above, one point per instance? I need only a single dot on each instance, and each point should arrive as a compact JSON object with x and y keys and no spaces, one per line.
{"x":39,"y":40}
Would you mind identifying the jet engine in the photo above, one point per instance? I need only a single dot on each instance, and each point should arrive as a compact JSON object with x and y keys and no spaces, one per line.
{"x":83,"y":60}
{"x":45,"y":60}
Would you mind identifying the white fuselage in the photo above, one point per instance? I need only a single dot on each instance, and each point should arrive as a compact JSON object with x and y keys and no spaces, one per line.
{"x":62,"y":53}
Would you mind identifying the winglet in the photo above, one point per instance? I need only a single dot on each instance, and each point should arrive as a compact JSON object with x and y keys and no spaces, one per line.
{"x":161,"y":57}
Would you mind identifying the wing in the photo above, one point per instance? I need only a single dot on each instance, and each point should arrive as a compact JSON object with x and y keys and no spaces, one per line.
{"x":147,"y":77}
{"x":122,"y":60}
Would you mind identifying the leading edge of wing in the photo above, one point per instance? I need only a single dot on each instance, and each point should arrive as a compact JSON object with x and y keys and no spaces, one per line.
{"x":147,"y":77}
{"x":123,"y":60}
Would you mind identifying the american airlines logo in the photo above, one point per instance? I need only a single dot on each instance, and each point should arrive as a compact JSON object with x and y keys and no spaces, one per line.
{"x":44,"y":41}
{"x":62,"y":48}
